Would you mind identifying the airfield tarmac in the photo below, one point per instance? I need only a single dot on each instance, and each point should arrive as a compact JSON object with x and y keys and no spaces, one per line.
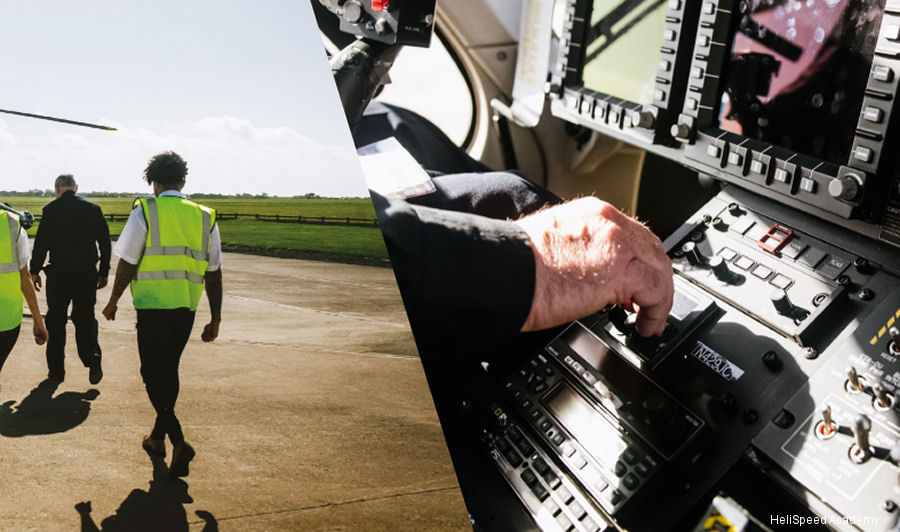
{"x":309,"y":412}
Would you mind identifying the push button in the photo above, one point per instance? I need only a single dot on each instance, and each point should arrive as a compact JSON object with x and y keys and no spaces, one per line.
{"x":781,"y":281}
{"x":577,"y":510}
{"x":862,"y":153}
{"x":630,"y":482}
{"x":833,"y":267}
{"x":630,"y":456}
{"x":744,"y":263}
{"x":758,"y":167}
{"x":808,"y":185}
{"x":564,"y":495}
{"x":873,"y":114}
{"x":812,"y":257}
{"x":782,"y":175}
{"x":727,"y":253}
{"x":882,"y":73}
{"x":762,"y":272}
{"x":793,"y":250}
{"x":742,"y":225}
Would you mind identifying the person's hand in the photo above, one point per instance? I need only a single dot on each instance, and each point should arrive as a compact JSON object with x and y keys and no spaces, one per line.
{"x":210,"y":331}
{"x":589,"y":255}
{"x":109,"y":311}
{"x":40,"y":333}
{"x":101,"y":282}
{"x":36,"y":281}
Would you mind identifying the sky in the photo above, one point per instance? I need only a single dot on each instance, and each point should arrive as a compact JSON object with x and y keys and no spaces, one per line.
{"x":243,"y":93}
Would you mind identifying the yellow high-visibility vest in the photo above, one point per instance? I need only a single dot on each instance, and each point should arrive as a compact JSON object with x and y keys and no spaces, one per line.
{"x":176,"y":253}
{"x":10,"y":280}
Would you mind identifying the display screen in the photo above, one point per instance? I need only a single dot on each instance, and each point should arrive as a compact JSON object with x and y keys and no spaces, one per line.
{"x":598,"y":437}
{"x":622,"y":48}
{"x":798,"y":71}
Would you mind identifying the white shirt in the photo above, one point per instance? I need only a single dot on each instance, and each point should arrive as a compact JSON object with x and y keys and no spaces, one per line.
{"x":22,"y":249}
{"x":131,"y":243}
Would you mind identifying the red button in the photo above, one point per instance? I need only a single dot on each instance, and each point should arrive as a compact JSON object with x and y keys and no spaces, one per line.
{"x":379,"y":5}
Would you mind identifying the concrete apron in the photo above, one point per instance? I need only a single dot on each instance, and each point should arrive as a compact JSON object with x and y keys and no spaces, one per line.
{"x":309,"y":412}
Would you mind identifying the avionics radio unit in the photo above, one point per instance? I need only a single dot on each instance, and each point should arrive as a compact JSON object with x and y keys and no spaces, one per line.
{"x":586,"y":432}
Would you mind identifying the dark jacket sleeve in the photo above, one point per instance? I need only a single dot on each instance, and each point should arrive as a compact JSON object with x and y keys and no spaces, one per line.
{"x":464,"y":278}
{"x":103,"y":243}
{"x":41,"y":243}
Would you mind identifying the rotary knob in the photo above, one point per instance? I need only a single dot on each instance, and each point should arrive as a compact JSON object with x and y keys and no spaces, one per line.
{"x":720,"y":268}
{"x":644,"y":119}
{"x":845,"y":188}
{"x":680,"y":131}
{"x":353,"y":11}
{"x":782,"y":303}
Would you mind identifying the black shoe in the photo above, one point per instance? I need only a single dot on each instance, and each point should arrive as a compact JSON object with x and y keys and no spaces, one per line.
{"x":182,"y":455}
{"x":96,"y":373}
{"x":154,"y":448}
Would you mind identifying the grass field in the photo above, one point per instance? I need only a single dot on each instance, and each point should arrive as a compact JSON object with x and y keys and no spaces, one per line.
{"x":335,"y":243}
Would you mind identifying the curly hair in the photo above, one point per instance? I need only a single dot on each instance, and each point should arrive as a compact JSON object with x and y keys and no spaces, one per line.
{"x":167,"y":168}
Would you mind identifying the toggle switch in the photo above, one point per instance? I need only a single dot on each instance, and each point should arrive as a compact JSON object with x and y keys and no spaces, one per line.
{"x":720,"y":269}
{"x":895,"y":340}
{"x":618,"y":317}
{"x":782,"y":303}
{"x":826,"y":428}
{"x":855,"y":383}
{"x":860,"y":451}
{"x":693,"y":253}
{"x":883,"y":400}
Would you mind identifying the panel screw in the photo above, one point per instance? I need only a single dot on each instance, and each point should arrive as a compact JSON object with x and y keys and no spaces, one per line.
{"x":843,"y":280}
{"x":706,"y":218}
{"x":866,"y":294}
{"x":810,"y":353}
{"x":889,"y":506}
{"x":750,"y":416}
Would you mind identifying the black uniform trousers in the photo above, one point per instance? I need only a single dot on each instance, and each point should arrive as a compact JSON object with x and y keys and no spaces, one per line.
{"x":80,"y":289}
{"x":7,"y":341}
{"x":162,"y":335}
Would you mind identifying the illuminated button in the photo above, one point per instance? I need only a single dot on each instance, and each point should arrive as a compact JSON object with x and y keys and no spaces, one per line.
{"x":545,"y":425}
{"x":735,"y":158}
{"x":613,"y":116}
{"x":558,"y":439}
{"x":703,"y":40}
{"x":742,"y":225}
{"x":758,"y":167}
{"x":762,"y":272}
{"x":727,"y":253}
{"x":540,"y":492}
{"x":601,"y":485}
{"x":675,"y":4}
{"x":665,"y":65}
{"x":713,"y":151}
{"x":862,"y":153}
{"x":565,"y":495}
{"x":812,"y":257}
{"x":630,"y":456}
{"x":793,"y":249}
{"x":660,"y":95}
{"x":891,"y":32}
{"x":781,"y":281}
{"x":744,"y":263}
{"x":782,"y":175}
{"x":882,"y":73}
{"x":589,"y":524}
{"x":709,"y":8}
{"x":872,"y":114}
{"x":697,"y":73}
{"x":568,"y":450}
{"x":808,"y":185}
{"x":590,"y":379}
{"x":379,"y":5}
{"x":669,"y":35}
{"x":642,"y":469}
{"x":692,"y":104}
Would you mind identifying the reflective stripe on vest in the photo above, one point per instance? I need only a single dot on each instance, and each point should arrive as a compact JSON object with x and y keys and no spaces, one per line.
{"x":10,"y":279}
{"x":176,"y":254}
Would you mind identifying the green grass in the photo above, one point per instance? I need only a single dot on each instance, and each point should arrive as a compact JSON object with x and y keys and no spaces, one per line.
{"x":333,"y":243}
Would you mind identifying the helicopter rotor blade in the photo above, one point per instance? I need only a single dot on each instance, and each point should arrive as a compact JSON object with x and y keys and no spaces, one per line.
{"x":54,"y":119}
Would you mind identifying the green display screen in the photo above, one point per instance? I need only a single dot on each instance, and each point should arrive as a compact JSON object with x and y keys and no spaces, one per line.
{"x":622,"y":48}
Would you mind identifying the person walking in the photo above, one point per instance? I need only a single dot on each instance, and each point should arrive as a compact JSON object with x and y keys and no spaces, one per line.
{"x":15,"y":285}
{"x":75,"y":234}
{"x":170,"y":247}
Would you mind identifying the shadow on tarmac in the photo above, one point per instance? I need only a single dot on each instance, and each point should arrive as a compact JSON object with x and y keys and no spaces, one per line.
{"x":42,"y":413}
{"x":159,"y":508}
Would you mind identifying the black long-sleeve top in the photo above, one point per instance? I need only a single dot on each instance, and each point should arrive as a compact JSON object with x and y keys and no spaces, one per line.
{"x":466,"y":273}
{"x":75,"y":234}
